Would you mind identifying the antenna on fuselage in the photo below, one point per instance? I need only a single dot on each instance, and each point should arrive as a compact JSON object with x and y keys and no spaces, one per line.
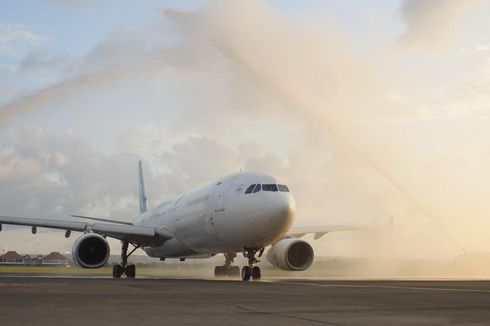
{"x":142,"y":191}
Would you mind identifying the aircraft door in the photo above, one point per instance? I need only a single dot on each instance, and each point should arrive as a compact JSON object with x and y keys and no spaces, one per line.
{"x":222,"y":191}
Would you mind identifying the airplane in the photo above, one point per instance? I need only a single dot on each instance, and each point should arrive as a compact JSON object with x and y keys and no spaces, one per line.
{"x":240,"y":213}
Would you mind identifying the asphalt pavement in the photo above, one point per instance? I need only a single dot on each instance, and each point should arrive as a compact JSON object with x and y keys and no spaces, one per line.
{"x":105,"y":301}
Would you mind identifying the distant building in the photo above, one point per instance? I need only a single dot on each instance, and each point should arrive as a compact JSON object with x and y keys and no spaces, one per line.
{"x":11,"y":257}
{"x":33,"y":259}
{"x":54,"y":258}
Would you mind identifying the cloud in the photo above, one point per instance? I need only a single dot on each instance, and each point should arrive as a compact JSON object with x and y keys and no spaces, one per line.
{"x":122,"y":56}
{"x":435,"y":23}
{"x":17,"y":32}
{"x":71,"y":87}
{"x":12,"y":35}
{"x":59,"y":174}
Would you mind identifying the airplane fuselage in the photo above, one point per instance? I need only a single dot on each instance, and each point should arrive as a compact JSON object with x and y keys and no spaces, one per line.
{"x":223,"y":217}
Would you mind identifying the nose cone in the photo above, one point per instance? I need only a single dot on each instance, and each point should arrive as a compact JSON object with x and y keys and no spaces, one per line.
{"x":281,"y":213}
{"x":260,"y":221}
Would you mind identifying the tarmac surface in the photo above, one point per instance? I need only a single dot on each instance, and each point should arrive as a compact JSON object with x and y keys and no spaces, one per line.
{"x":104,"y":301}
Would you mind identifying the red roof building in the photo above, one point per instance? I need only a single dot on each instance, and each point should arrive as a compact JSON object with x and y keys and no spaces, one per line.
{"x":54,"y":258}
{"x":11,"y":257}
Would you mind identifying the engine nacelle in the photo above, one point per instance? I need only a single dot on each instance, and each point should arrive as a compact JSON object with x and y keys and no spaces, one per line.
{"x":91,"y":250}
{"x":291,"y":254}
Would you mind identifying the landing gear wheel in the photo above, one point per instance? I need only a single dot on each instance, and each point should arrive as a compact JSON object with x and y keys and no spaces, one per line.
{"x":131,"y":271}
{"x":227,"y":269}
{"x":117,"y":271}
{"x":124,"y":268}
{"x":246,"y":273}
{"x":235,"y":271}
{"x":217,"y":271}
{"x":256,"y":273}
{"x":251,"y":270}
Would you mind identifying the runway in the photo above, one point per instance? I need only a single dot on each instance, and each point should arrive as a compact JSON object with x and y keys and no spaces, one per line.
{"x":104,"y":301}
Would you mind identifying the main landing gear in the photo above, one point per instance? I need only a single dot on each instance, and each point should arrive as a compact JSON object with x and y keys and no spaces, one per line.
{"x":251,"y":270}
{"x":227,"y":269}
{"x":124,"y":268}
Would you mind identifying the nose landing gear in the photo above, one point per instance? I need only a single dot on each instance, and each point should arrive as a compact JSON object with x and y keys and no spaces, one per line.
{"x":251,"y":271}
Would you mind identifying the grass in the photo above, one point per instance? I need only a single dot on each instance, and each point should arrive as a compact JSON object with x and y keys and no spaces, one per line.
{"x":21,"y":269}
{"x":103,"y":271}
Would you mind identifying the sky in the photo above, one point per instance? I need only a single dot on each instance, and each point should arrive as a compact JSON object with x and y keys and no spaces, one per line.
{"x":367,"y":110}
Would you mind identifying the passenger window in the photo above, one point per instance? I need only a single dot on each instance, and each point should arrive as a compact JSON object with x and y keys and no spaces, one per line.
{"x":270,"y":187}
{"x":283,"y":188}
{"x":250,"y":189}
{"x":257,"y":188}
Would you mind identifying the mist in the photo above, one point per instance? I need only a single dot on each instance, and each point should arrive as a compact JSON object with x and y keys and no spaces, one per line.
{"x":418,"y":158}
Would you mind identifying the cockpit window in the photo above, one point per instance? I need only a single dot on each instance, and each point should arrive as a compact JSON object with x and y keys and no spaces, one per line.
{"x":250,"y":189}
{"x":283,"y":188}
{"x":266,"y":187}
{"x":269,"y":187}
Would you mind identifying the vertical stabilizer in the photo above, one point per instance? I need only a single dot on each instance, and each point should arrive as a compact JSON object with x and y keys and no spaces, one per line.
{"x":143,"y":198}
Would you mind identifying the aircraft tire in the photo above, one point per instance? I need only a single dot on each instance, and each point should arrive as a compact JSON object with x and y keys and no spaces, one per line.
{"x":117,"y":271}
{"x":131,"y":271}
{"x":246,"y":273}
{"x":256,"y":274}
{"x":217,"y":271}
{"x":235,"y":271}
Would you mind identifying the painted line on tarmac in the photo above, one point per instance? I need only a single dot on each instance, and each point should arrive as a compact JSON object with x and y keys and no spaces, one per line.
{"x":396,"y":287}
{"x":75,"y":277}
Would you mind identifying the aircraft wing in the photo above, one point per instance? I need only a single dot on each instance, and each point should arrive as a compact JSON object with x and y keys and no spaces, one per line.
{"x":320,"y":230}
{"x":135,"y":234}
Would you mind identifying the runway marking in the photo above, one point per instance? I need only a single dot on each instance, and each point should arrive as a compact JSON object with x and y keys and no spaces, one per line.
{"x":387,"y":287}
{"x":76,"y":277}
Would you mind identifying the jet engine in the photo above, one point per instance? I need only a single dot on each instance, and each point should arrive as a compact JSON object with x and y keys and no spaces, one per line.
{"x":291,"y":254}
{"x":91,"y":250}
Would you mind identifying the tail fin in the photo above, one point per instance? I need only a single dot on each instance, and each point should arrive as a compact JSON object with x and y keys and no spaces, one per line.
{"x":143,"y":198}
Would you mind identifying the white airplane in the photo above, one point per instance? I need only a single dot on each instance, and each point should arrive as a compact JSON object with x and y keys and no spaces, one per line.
{"x":244,"y":212}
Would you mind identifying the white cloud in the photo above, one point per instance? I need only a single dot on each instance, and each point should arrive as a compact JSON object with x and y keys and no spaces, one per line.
{"x":12,"y":34}
{"x":17,"y":32}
